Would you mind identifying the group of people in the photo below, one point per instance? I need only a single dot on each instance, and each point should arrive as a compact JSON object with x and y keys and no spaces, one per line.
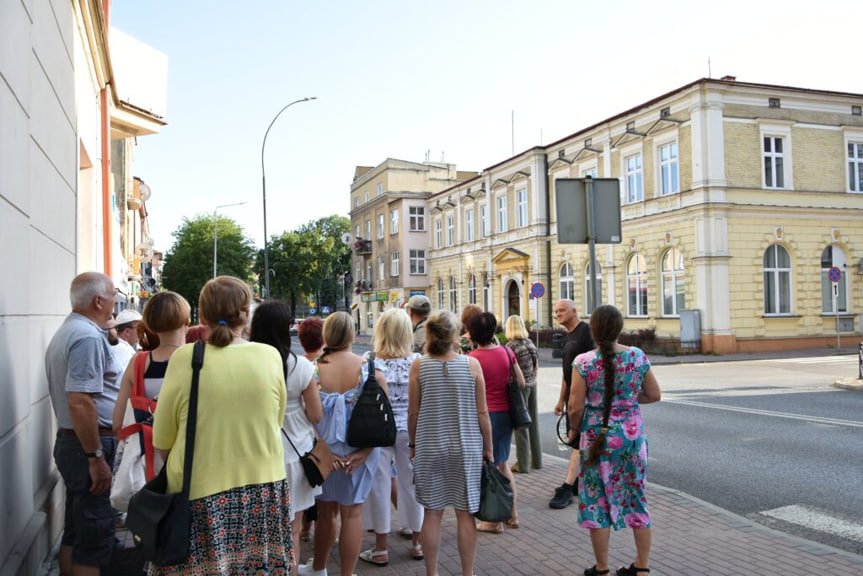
{"x":262,"y":405}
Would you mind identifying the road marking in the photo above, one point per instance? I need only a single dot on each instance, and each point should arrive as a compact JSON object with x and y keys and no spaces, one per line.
{"x":803,"y":417}
{"x":816,"y":360}
{"x":819,"y":520}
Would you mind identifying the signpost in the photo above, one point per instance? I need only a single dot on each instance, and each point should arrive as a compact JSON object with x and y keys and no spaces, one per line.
{"x":537,"y":290}
{"x":588,"y":212}
{"x":835,"y":275}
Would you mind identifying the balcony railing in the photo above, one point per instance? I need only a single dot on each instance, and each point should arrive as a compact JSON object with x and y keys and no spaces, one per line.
{"x":363,"y":246}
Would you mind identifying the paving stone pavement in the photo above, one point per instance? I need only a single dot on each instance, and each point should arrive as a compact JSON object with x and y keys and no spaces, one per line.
{"x":690,"y":537}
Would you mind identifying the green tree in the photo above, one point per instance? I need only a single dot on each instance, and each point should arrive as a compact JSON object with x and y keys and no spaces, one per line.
{"x":189,"y":263}
{"x":309,"y":262}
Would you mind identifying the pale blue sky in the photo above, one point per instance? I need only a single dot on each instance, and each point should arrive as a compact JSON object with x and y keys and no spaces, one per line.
{"x":397,"y":78}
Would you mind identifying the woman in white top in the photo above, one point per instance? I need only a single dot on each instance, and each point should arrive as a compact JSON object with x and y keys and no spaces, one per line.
{"x":271,"y":325}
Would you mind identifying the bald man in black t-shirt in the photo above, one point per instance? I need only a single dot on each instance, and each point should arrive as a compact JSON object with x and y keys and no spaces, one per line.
{"x":576,"y":341}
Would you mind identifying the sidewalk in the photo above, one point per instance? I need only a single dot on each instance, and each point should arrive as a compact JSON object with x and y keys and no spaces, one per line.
{"x":689,"y":537}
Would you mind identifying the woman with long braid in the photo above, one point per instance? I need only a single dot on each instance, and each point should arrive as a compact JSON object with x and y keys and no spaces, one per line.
{"x":608,"y":386}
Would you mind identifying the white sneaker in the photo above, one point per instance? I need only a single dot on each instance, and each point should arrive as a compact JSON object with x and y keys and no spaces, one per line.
{"x":308,"y":570}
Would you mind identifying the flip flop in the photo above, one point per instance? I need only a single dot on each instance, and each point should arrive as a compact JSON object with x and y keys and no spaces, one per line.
{"x":491,"y":528}
{"x":512,"y":523}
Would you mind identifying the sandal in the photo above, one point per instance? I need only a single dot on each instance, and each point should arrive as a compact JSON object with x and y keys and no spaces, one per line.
{"x":377,"y":557}
{"x":592,"y":571}
{"x":417,"y":552}
{"x":631,"y":570}
{"x":490,"y":527}
{"x":512,"y":522}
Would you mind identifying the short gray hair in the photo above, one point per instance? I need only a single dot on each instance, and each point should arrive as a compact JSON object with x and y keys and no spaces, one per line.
{"x":85,"y":287}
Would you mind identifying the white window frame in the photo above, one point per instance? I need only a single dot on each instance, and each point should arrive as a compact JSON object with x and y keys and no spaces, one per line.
{"x":453,"y":295}
{"x":483,"y":220}
{"x":839,"y":260}
{"x":417,"y":218}
{"x":502,"y":215}
{"x":368,"y":230}
{"x":380,"y":189}
{"x":777,"y":273}
{"x":359,"y":272}
{"x":417,"y":262}
{"x":468,"y":225}
{"x":450,"y":229}
{"x":567,"y":282}
{"x":633,"y":177}
{"x":636,"y":282}
{"x":589,"y":171}
{"x":357,"y":202}
{"x":471,"y":289}
{"x":394,"y":221}
{"x":380,"y":226}
{"x":394,"y":264}
{"x":774,"y":129}
{"x":369,"y":273}
{"x":854,"y":162}
{"x":440,"y":294}
{"x":673,"y":272}
{"x":357,"y":232}
{"x":668,"y":170}
{"x":382,"y":270}
{"x":521,"y":208}
{"x":366,"y":197}
{"x":438,"y":233}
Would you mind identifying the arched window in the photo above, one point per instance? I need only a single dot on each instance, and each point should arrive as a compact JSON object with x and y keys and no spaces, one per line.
{"x":777,"y":281}
{"x":673,"y":283}
{"x":830,"y":257}
{"x":567,"y":282}
{"x":453,"y":303}
{"x":636,"y":286}
{"x":440,"y":294}
{"x":471,"y":289}
{"x":587,"y":284}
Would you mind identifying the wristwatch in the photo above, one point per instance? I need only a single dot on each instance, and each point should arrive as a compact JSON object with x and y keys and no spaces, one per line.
{"x":97,"y":454}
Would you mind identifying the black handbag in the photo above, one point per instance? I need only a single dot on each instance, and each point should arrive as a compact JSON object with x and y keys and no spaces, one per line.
{"x":372,"y":422}
{"x":518,"y":414}
{"x":161,"y":522}
{"x":495,"y":500}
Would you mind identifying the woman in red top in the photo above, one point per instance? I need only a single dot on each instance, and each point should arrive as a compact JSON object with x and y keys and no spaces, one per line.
{"x":495,"y":361}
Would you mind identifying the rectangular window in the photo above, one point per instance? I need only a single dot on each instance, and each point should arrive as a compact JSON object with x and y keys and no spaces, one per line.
{"x":380,"y":189}
{"x":357,"y":232}
{"x":774,"y":162}
{"x":394,"y":221}
{"x":368,"y":235}
{"x":468,"y":225}
{"x":366,"y":197}
{"x":417,"y":219}
{"x":501,"y":214}
{"x":382,"y":272}
{"x":668,"y":170}
{"x":634,"y":179}
{"x":438,"y":234}
{"x":380,"y":226}
{"x":855,"y":166}
{"x":450,"y":230}
{"x":394,"y":264}
{"x":483,"y":221}
{"x":521,"y":209}
{"x":589,"y":172}
{"x":369,"y":273}
{"x":417,"y":261}
{"x":356,"y":202}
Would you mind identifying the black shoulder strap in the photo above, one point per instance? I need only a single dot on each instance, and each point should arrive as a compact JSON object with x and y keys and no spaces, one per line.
{"x":191,"y":424}
{"x":371,"y":376}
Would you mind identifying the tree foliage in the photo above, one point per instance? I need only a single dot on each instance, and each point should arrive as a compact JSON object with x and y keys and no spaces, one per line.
{"x":189,"y":263}
{"x":309,"y":262}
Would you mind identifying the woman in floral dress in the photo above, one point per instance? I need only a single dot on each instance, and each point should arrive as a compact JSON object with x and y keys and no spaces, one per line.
{"x":608,"y":386}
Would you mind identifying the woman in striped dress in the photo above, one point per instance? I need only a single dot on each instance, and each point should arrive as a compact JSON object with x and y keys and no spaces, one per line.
{"x":450,"y":434}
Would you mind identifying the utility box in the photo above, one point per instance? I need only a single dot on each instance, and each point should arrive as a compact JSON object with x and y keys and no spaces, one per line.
{"x":690,"y":330}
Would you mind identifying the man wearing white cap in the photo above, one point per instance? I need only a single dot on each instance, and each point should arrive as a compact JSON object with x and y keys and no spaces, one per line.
{"x":419,"y":308}
{"x":123,"y":336}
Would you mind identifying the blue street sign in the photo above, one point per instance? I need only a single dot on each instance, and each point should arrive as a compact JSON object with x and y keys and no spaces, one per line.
{"x":312,"y":310}
{"x":537,"y":290}
{"x":325,"y":309}
{"x":835,"y":274}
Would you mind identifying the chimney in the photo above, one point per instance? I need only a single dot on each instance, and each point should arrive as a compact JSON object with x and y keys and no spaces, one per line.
{"x":728,"y":78}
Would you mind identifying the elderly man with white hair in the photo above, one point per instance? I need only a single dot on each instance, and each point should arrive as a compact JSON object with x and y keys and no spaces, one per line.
{"x":82,"y":380}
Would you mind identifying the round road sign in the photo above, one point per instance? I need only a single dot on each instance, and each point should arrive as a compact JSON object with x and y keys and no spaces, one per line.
{"x":834,"y":274}
{"x":537,"y":290}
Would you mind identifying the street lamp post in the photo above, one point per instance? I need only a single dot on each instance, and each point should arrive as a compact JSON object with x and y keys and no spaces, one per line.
{"x":216,"y":234}
{"x":264,"y":189}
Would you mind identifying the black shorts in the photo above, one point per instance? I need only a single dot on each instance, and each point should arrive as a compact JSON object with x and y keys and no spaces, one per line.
{"x":89,"y":522}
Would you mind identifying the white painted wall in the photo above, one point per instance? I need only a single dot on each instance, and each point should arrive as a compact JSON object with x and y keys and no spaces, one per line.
{"x":38,"y":182}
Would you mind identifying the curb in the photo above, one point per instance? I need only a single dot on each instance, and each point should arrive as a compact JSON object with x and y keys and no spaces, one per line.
{"x":854,"y":384}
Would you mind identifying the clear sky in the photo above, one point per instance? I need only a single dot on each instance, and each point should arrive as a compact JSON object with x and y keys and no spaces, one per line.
{"x":398,"y":78}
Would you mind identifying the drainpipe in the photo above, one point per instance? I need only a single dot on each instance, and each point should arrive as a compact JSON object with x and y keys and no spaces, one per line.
{"x":106,"y":162}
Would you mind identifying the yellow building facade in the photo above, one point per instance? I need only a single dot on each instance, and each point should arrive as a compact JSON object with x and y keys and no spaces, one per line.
{"x":737,"y":199}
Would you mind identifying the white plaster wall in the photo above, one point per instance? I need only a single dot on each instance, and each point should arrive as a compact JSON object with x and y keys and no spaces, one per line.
{"x":38,"y":172}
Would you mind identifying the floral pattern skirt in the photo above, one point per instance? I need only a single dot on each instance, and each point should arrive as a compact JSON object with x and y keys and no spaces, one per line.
{"x":241,"y":531}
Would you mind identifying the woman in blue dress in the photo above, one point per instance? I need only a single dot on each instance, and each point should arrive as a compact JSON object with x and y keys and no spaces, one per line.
{"x":609,"y":384}
{"x":340,"y":374}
